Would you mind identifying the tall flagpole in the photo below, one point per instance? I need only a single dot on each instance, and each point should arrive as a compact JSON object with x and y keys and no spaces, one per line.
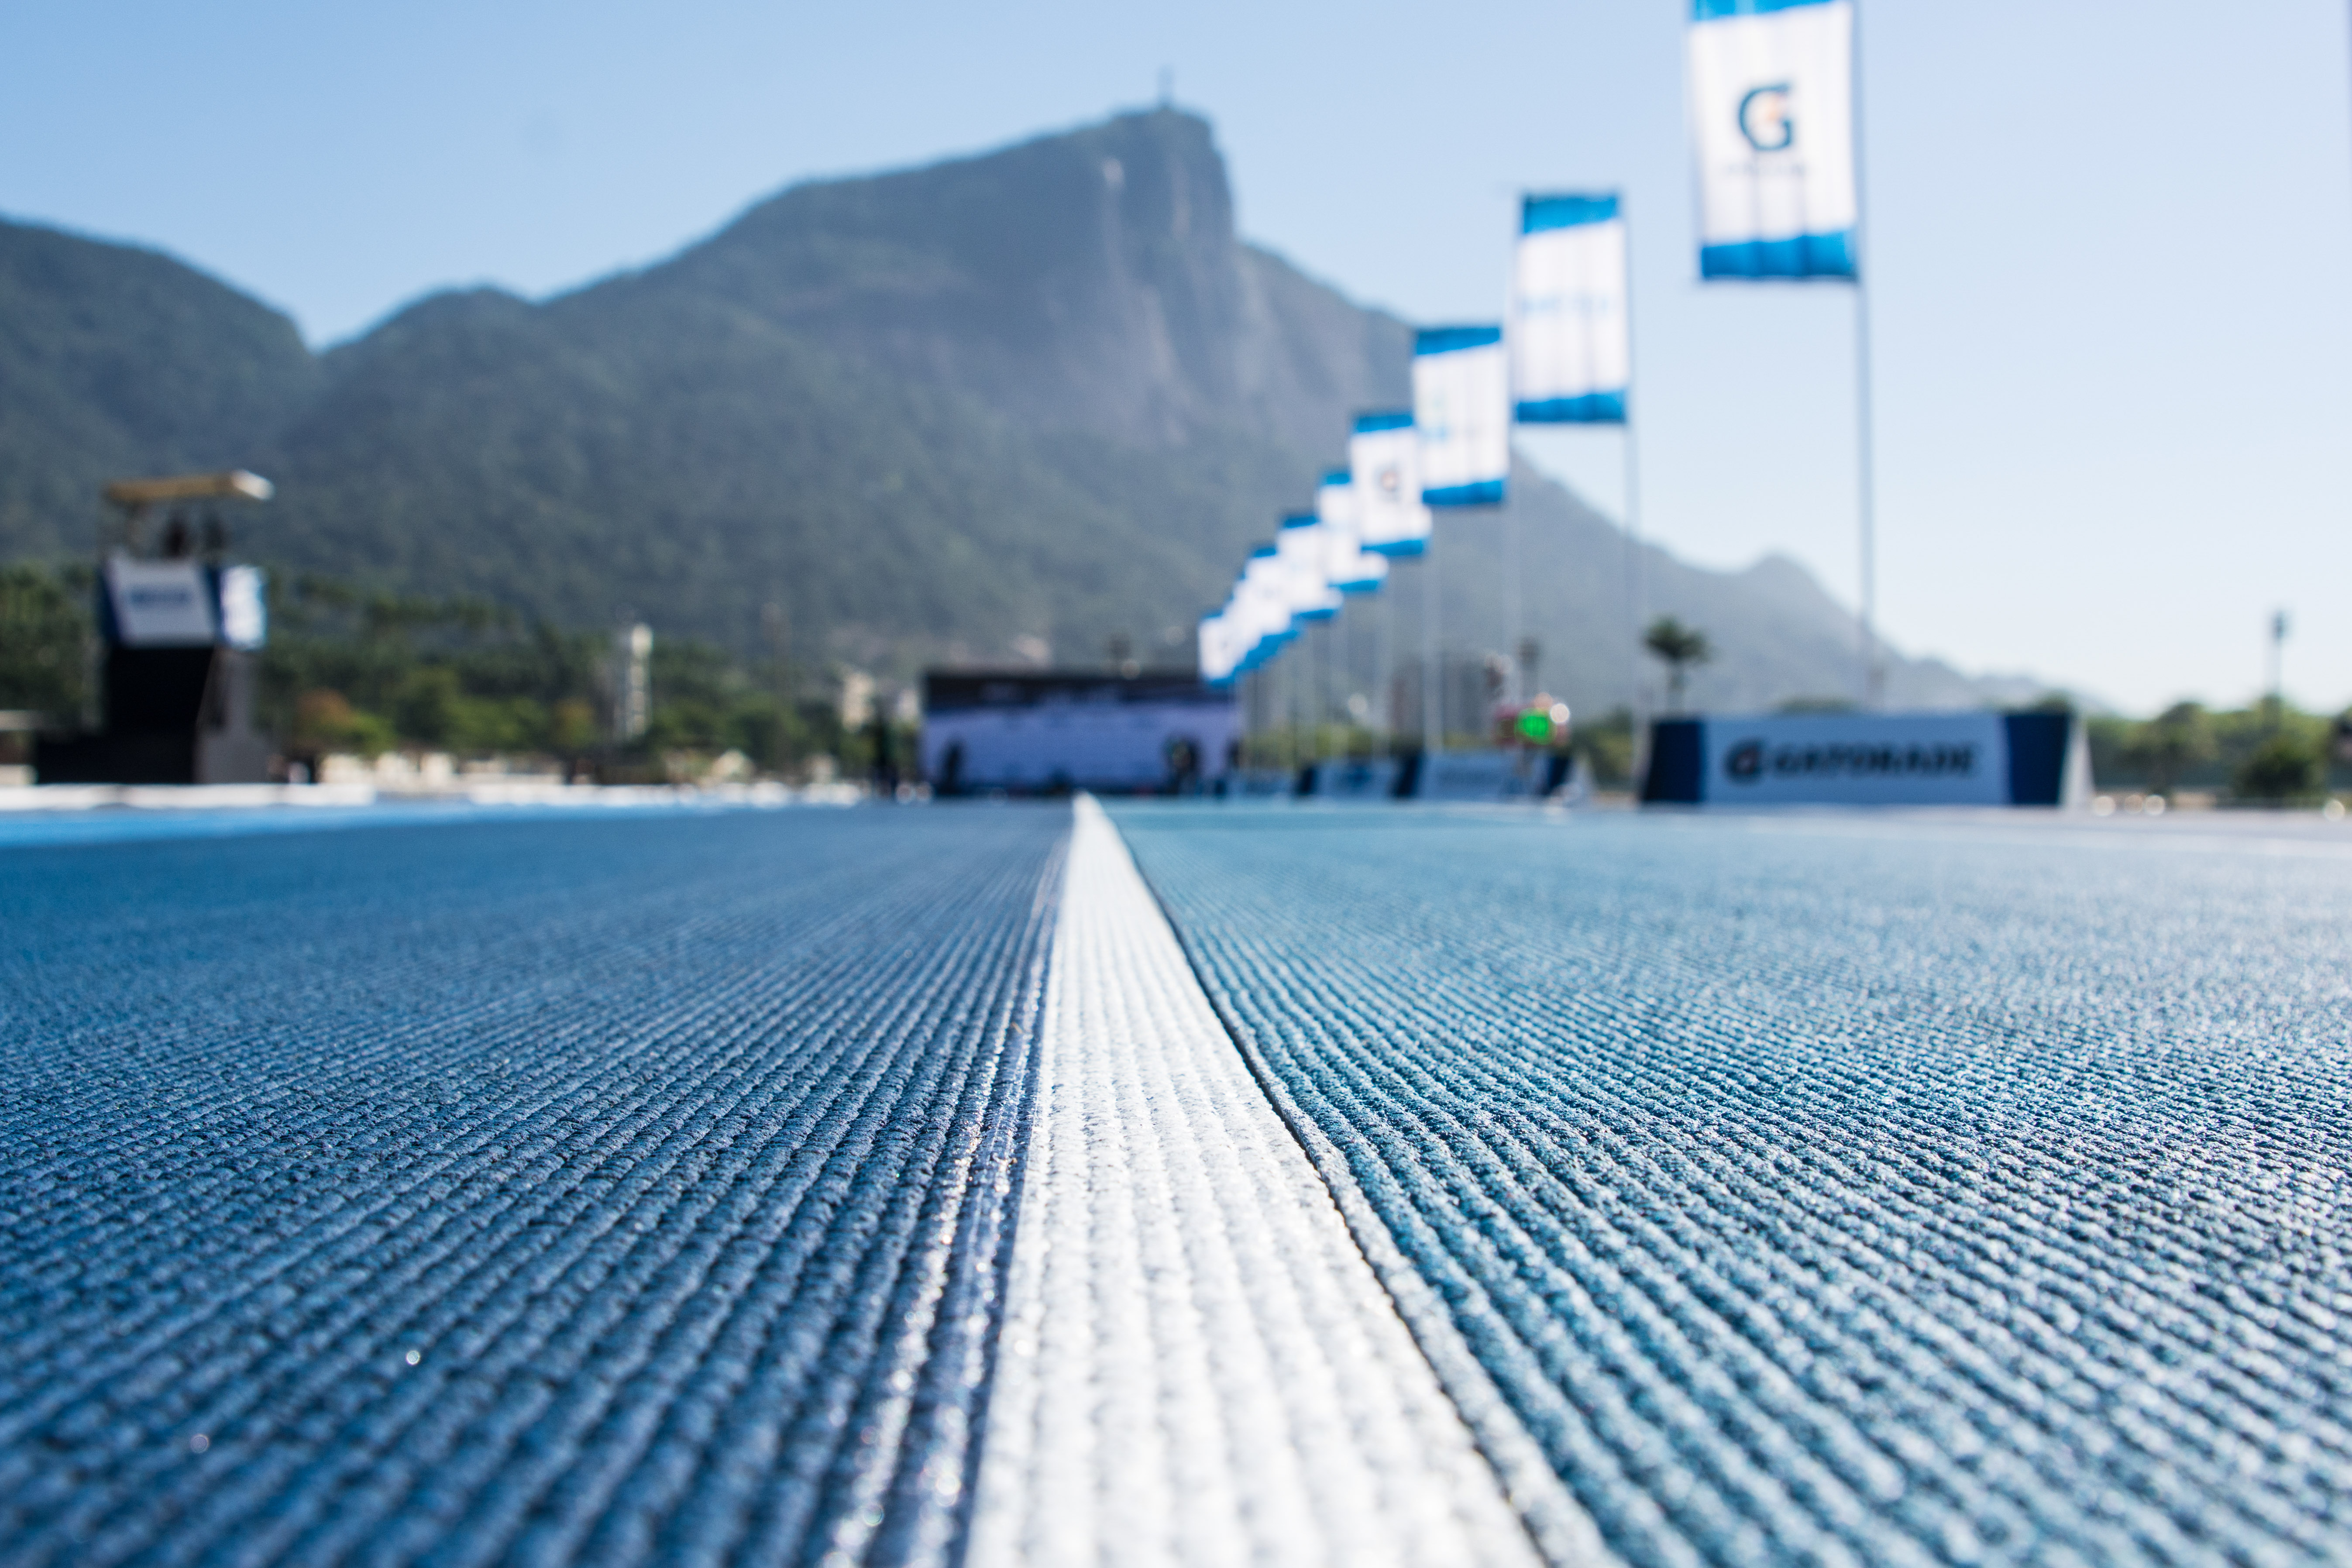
{"x":1432,"y":738}
{"x":1339,"y":640}
{"x":1298,"y":695}
{"x":1633,"y":577}
{"x":1514,"y":611}
{"x":1249,"y":718}
{"x":1322,"y":705}
{"x":1383,"y":671}
{"x":1874,"y":674}
{"x":1634,"y":584}
{"x":1873,"y":677}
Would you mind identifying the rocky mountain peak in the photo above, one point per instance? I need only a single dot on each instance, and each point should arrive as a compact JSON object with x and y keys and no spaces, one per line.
{"x":1089,"y":279}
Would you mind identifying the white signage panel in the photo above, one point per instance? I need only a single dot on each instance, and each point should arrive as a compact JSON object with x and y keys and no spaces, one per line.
{"x":1854,"y":759}
{"x":160,"y":604}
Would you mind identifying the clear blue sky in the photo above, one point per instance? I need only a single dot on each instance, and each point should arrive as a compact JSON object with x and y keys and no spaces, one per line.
{"x":2111,"y":244}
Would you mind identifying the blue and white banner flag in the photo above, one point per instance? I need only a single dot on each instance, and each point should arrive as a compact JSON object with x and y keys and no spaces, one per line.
{"x":1384,"y":457}
{"x":1771,"y":101}
{"x":1352,"y":569}
{"x":1302,"y":550}
{"x":1234,"y":640}
{"x":1571,"y":347}
{"x":1261,"y":606}
{"x":1219,"y":659}
{"x":1462,"y":407}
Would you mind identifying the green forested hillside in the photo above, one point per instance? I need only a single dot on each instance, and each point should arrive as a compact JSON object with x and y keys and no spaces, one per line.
{"x":115,"y":360}
{"x":1044,"y":395}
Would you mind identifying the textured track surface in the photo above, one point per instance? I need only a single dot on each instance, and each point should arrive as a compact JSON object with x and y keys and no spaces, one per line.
{"x":543,"y":1191}
{"x":1831,"y":1192}
{"x":1197,"y":1365}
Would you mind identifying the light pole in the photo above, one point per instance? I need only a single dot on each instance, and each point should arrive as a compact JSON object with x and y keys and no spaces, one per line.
{"x":2278,"y":665}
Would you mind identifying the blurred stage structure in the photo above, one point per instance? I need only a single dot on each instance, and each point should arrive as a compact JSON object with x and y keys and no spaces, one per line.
{"x":180,"y":628}
{"x":1040,"y":732}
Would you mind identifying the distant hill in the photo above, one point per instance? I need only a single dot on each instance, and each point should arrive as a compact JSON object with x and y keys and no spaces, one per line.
{"x":1046,"y":392}
{"x":114,"y":359}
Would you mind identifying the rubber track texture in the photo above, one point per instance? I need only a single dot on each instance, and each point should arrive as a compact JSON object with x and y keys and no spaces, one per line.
{"x":1823,"y":1193}
{"x":1197,"y":1365}
{"x":567,"y":1191}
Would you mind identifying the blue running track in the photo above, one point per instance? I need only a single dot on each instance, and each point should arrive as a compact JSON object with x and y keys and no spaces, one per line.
{"x":1842,"y":1190}
{"x":592,"y":1190}
{"x":644,"y":1187}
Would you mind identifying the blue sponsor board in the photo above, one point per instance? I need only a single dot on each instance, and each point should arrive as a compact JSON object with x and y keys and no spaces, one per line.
{"x":1352,"y":778}
{"x":1867,"y":759}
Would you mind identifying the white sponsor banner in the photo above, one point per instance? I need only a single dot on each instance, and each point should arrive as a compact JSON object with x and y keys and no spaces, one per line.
{"x":1854,"y":759}
{"x":160,"y":604}
{"x":1571,"y":349}
{"x":1384,"y":458}
{"x":1461,"y":406}
{"x":1771,"y":103}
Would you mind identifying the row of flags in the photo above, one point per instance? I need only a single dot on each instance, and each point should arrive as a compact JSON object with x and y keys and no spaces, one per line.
{"x":1771,"y":90}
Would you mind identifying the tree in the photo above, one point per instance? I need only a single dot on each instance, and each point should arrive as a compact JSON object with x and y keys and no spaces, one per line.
{"x":2283,"y":767}
{"x":43,"y":623}
{"x":2171,"y":744}
{"x":1681,"y":647}
{"x":1607,"y":748}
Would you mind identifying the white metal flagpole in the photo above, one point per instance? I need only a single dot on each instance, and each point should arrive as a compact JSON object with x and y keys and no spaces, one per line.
{"x":1432,"y":738}
{"x":1874,"y":673}
{"x":1384,"y":670}
{"x":1322,"y":720}
{"x":1346,"y":664}
{"x":1514,"y":611}
{"x":1634,"y":585}
{"x":1873,"y":676}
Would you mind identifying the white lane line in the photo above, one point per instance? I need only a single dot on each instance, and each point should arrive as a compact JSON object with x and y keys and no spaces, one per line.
{"x":1197,"y":1365}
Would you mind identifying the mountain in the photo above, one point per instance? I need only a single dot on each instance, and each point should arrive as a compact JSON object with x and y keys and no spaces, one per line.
{"x":1046,"y":392}
{"x":116,"y":359}
{"x":1088,"y":281}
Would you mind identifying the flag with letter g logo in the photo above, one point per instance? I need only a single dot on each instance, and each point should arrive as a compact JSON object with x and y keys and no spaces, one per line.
{"x":1771,"y":103}
{"x":1764,"y":117}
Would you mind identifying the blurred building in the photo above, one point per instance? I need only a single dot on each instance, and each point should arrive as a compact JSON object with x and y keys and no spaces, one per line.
{"x":633,"y":682}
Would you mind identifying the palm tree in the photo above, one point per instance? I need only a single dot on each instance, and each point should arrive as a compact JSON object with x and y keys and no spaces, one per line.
{"x":1681,"y":647}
